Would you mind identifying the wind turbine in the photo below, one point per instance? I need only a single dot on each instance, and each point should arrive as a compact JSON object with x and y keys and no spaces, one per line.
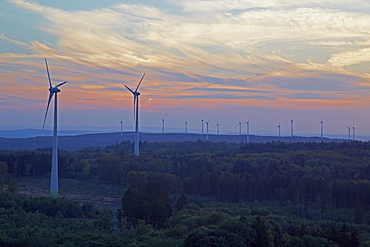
{"x":321,"y":129}
{"x":54,"y":164}
{"x":218,"y":128}
{"x":349,"y":132}
{"x":121,"y":126}
{"x":353,"y":131}
{"x":291,"y":128}
{"x":247,"y":122}
{"x":136,"y":114}
{"x":240,"y":127}
{"x":279,"y":128}
{"x":186,"y":126}
{"x":207,"y":128}
{"x":162,"y":125}
{"x":202,"y":125}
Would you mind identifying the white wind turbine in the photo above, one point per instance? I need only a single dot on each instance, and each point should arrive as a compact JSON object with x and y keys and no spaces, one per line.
{"x":240,"y":127}
{"x":136,"y":114}
{"x":321,"y":129}
{"x":247,"y":122}
{"x":162,"y":125}
{"x":54,"y":164}
{"x":207,"y":127}
{"x":279,"y":128}
{"x":186,"y":126}
{"x":202,"y":125}
{"x":349,"y":132}
{"x":121,"y":126}
{"x":218,"y":128}
{"x":353,"y":131}
{"x":291,"y":128}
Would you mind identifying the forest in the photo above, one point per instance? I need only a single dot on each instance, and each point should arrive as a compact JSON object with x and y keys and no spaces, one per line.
{"x":196,"y":194}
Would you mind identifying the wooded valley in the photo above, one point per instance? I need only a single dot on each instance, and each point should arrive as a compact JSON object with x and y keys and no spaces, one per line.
{"x":196,"y":194}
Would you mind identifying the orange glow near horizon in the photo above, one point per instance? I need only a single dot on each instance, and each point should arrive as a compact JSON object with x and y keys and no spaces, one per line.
{"x":285,"y":57}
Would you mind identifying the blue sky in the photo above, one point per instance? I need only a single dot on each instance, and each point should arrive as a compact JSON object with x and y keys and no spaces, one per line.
{"x":223,"y":60}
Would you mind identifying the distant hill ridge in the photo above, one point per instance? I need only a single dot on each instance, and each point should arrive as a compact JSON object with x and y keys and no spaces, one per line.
{"x":76,"y":142}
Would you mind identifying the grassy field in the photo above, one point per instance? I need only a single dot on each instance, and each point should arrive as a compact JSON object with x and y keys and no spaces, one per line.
{"x":103,"y":195}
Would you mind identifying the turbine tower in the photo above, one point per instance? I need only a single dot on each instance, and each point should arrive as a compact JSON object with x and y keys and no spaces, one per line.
{"x":54,"y":164}
{"x":321,"y":129}
{"x":291,"y":128}
{"x":218,"y":128}
{"x":162,"y":125}
{"x":202,"y":125}
{"x":353,"y":132}
{"x":279,"y":128}
{"x":349,"y":132}
{"x":240,"y":127}
{"x":247,"y":122}
{"x":186,"y":126}
{"x":136,"y":114}
{"x":207,"y":128}
{"x":121,"y":126}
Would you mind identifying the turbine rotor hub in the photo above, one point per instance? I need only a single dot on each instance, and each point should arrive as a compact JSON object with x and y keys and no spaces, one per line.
{"x":54,"y":90}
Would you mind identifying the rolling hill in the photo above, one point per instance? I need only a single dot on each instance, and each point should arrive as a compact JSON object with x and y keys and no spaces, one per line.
{"x":76,"y":142}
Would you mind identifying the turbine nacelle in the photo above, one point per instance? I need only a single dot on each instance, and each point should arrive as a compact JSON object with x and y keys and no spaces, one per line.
{"x":56,"y":88}
{"x":52,"y":90}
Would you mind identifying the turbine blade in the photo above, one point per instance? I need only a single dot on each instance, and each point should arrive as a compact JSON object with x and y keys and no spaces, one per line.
{"x":129,"y":89}
{"x":47,"y":70}
{"x":60,"y":84}
{"x":47,"y":108}
{"x":138,"y":85}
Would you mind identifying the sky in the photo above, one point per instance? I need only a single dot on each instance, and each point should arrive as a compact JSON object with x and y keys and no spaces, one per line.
{"x":226,"y":61}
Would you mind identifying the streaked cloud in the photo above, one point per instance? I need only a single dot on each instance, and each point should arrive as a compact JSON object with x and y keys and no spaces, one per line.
{"x":230,"y":52}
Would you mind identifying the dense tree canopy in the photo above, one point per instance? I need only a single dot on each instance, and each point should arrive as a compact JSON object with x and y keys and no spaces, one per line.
{"x":322,"y":189}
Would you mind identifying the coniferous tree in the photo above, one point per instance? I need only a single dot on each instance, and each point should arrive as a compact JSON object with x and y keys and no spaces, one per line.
{"x":260,"y":227}
{"x":181,"y":202}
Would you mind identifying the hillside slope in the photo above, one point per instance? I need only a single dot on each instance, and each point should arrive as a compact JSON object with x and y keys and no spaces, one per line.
{"x":72,"y":143}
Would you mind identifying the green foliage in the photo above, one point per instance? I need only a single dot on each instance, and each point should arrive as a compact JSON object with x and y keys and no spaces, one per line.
{"x":261,"y":230}
{"x":3,"y":172}
{"x":265,"y":194}
{"x":205,"y":237}
{"x":150,"y":203}
{"x":28,"y":221}
{"x":181,"y":202}
{"x":13,"y":186}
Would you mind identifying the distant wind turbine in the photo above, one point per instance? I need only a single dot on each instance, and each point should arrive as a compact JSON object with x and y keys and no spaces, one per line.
{"x":279,"y":128}
{"x":207,"y":128}
{"x":218,"y":128}
{"x":240,"y":127}
{"x":349,"y":132}
{"x":202,"y":125}
{"x":291,"y":128}
{"x":353,"y":131}
{"x":121,"y":126}
{"x":247,"y":122}
{"x":186,"y":126}
{"x":162,"y":125}
{"x":54,"y":164}
{"x":321,"y":129}
{"x":136,"y":114}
